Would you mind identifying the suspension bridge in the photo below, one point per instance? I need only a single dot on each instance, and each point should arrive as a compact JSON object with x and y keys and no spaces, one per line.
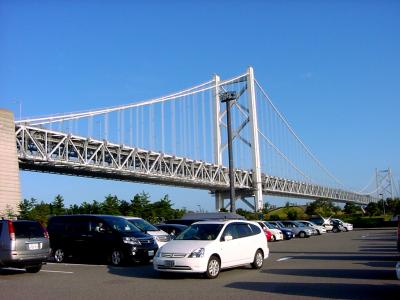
{"x":181,"y":140}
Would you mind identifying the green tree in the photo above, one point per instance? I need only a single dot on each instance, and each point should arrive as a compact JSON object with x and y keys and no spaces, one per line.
{"x":140,"y":205}
{"x":274,"y":217}
{"x":161,"y":210}
{"x":25,"y":208}
{"x":110,"y":206}
{"x":373,"y":209}
{"x":322,"y":207}
{"x":57,"y":206}
{"x":351,"y":208}
{"x":41,"y":212}
{"x":124,"y":207}
{"x":292,"y":214}
{"x":90,"y":208}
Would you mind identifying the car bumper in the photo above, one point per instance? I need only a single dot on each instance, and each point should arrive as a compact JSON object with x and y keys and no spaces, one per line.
{"x":136,"y":253}
{"x":186,"y":265}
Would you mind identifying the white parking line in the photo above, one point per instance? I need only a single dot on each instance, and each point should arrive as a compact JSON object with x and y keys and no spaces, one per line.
{"x":63,"y":264}
{"x":63,"y":272}
{"x":284,"y":258}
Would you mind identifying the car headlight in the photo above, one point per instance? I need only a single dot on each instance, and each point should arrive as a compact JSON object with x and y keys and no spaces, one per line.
{"x":130,"y":240}
{"x":197,"y":253}
{"x":163,"y":238}
{"x":158,"y":253}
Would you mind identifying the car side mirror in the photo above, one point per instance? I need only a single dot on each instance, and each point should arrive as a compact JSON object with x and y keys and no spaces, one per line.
{"x":228,"y":238}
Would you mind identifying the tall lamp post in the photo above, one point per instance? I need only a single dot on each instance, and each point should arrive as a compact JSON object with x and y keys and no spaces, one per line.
{"x":383,"y":204}
{"x":227,"y":97}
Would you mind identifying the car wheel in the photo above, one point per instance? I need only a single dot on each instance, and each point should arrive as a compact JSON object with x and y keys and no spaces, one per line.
{"x":59,"y":255}
{"x":116,"y":257}
{"x":345,"y":229}
{"x":33,"y":269}
{"x":302,"y":234}
{"x":213,"y":267}
{"x":258,"y":260}
{"x":272,"y":238}
{"x":335,"y":230}
{"x":319,"y":232}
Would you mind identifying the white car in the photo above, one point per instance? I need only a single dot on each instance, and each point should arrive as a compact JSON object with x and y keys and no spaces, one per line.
{"x":277,"y":234}
{"x":160,"y":236}
{"x":318,"y":228}
{"x":209,"y":246}
{"x":346,"y":226}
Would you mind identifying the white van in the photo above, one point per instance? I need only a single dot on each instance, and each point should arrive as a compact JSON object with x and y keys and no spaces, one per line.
{"x":160,"y":236}
{"x":209,"y":246}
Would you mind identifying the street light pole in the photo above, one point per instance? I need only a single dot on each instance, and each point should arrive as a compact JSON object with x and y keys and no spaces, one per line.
{"x":227,"y":97}
{"x":383,"y":204}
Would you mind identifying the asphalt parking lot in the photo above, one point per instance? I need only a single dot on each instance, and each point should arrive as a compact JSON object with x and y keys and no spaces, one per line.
{"x":348,"y":265}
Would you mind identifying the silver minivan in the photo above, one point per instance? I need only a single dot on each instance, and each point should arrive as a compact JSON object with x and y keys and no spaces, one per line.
{"x":23,"y":244}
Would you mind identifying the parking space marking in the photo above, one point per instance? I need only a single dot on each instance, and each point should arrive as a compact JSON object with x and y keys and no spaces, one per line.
{"x":284,"y":258}
{"x":85,"y":265}
{"x":50,"y":271}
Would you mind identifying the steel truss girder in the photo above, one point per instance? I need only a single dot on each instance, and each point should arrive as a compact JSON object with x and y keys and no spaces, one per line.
{"x":56,"y":152}
{"x":51,"y":151}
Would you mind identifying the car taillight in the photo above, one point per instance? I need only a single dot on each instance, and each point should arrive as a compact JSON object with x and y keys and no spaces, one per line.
{"x":45,"y":233}
{"x":11,"y":230}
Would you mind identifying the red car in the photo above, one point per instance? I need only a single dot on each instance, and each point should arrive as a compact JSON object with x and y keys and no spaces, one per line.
{"x":268,"y":234}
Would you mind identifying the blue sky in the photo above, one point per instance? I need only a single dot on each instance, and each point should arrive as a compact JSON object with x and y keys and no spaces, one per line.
{"x":330,"y":67}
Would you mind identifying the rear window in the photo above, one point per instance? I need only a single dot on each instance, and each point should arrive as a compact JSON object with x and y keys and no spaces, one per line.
{"x":25,"y":229}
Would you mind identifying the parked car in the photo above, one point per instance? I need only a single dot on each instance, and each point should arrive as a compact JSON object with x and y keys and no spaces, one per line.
{"x":298,"y":229}
{"x":318,"y":228}
{"x":160,"y":235}
{"x":337,"y":226}
{"x":325,"y":222}
{"x":287,"y":233}
{"x":209,"y":246}
{"x":100,"y":236}
{"x":276,"y":234}
{"x":268,"y":234}
{"x":172,"y":229}
{"x":23,"y":244}
{"x":346,"y":226}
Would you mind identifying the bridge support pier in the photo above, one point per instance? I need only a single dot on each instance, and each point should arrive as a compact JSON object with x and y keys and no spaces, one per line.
{"x":10,"y":193}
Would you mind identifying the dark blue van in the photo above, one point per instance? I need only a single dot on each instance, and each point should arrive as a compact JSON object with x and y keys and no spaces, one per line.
{"x":99,"y":236}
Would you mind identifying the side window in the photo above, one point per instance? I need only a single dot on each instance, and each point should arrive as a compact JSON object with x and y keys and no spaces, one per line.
{"x":98,"y":226}
{"x":244,"y":230}
{"x":78,"y":226}
{"x":231,"y":229}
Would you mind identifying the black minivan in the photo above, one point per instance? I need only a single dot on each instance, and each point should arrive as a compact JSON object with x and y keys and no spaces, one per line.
{"x":100,"y":236}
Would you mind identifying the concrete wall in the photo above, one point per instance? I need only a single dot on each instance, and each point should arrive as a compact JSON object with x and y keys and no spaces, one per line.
{"x":10,"y":193}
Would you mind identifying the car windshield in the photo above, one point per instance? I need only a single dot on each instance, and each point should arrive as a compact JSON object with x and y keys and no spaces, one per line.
{"x":201,"y":232}
{"x":121,"y":225}
{"x":143,"y":225}
{"x":270,"y":226}
{"x":278,"y":224}
{"x":298,"y":224}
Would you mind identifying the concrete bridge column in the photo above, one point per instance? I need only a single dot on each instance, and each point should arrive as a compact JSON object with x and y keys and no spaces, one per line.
{"x":10,"y":193}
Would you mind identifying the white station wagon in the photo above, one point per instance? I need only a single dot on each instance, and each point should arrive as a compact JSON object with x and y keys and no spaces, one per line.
{"x":209,"y":246}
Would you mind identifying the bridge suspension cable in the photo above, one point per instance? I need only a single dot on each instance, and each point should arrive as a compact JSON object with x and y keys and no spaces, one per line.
{"x":289,"y":127}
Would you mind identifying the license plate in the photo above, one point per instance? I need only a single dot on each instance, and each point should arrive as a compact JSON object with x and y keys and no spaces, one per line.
{"x":33,"y":246}
{"x":169,"y":263}
{"x":150,"y":253}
